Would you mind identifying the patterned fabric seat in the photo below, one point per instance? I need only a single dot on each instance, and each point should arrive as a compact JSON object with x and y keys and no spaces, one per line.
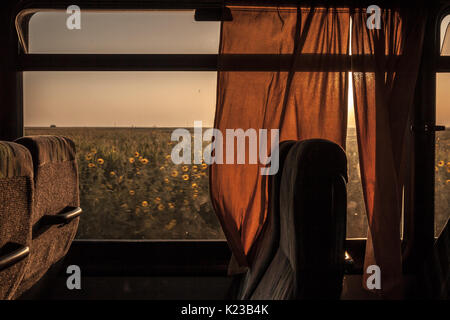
{"x":56,"y":190}
{"x":16,"y":196}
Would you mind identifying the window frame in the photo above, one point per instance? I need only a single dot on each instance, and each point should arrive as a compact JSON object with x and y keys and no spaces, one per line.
{"x":84,"y":251}
{"x":422,"y":240}
{"x":443,"y":66}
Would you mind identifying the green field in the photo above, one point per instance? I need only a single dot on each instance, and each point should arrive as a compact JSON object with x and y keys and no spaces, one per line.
{"x":130,"y":189}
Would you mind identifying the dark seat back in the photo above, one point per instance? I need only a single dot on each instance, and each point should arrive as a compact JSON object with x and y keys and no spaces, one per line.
{"x":269,"y":239}
{"x":309,"y":259}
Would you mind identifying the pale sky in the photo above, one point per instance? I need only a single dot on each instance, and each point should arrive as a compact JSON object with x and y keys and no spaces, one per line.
{"x":108,"y":99}
{"x":141,"y":99}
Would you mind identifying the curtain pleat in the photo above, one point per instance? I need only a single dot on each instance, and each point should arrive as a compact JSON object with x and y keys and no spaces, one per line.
{"x":302,"y":105}
{"x":383,"y":87}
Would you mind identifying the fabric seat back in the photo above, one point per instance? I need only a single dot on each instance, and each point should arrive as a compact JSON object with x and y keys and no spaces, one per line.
{"x":16,"y":196}
{"x":309,"y":262}
{"x":56,"y":189}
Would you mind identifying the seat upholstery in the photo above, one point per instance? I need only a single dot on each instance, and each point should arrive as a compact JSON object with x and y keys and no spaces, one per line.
{"x":268,"y":241}
{"x":16,"y":196}
{"x":308,"y":259}
{"x":56,"y":188}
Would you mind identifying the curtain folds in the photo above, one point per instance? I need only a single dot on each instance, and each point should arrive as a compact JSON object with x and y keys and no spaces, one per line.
{"x":302,"y":105}
{"x":383,"y":85}
{"x":313,"y":104}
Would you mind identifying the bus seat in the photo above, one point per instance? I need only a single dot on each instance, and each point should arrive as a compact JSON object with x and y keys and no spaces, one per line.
{"x":16,"y":196}
{"x":56,"y":204}
{"x":309,"y":260}
{"x":267,"y":244}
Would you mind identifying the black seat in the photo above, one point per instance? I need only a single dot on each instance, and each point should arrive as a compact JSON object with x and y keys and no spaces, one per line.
{"x":268,"y":242}
{"x":300,"y":253}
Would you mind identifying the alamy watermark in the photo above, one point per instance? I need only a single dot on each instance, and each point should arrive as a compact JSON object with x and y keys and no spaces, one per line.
{"x":374,"y":20}
{"x":213,"y":153}
{"x":74,"y":279}
{"x":373,"y":282}
{"x":73,"y":22}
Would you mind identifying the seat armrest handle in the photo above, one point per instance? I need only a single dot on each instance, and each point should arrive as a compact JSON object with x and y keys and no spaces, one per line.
{"x":66,"y":216}
{"x":14,"y":257}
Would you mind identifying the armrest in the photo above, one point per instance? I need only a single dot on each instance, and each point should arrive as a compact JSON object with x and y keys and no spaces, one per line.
{"x":64,"y":217}
{"x":14,"y":257}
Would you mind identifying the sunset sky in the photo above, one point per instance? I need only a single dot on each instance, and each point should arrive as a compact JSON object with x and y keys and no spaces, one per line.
{"x":141,"y":99}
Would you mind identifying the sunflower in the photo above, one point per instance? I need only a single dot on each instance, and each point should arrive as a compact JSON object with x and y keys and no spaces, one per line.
{"x":185,"y":177}
{"x":132,"y":192}
{"x":91,"y":165}
{"x":112,"y":173}
{"x":204,"y":166}
{"x":194,"y":185}
{"x":171,"y":224}
{"x":185,"y":168}
{"x":161,"y":207}
{"x":136,"y":154}
{"x":441,"y":163}
{"x":89,"y":157}
{"x":131,"y":160}
{"x":168,"y":156}
{"x":195,"y":168}
{"x":171,"y":205}
{"x":100,"y":161}
{"x":166,"y":180}
{"x":157,"y":200}
{"x":144,"y":161}
{"x":145,"y":204}
{"x":174,"y":173}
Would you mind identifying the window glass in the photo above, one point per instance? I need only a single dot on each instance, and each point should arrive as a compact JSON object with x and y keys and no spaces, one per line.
{"x":121,"y":123}
{"x":445,"y":36}
{"x":132,"y":32}
{"x":356,"y":212}
{"x":442,"y":167}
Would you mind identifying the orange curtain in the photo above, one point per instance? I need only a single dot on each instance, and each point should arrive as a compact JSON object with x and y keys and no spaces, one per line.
{"x":384,"y":82}
{"x":301,"y":104}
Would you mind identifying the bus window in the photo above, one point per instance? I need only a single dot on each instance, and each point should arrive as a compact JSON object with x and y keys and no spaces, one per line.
{"x":121,"y":123}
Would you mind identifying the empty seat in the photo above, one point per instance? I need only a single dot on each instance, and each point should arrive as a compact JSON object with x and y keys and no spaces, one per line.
{"x":269,"y":239}
{"x":56,"y":203}
{"x":16,"y":196}
{"x":301,"y":254}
